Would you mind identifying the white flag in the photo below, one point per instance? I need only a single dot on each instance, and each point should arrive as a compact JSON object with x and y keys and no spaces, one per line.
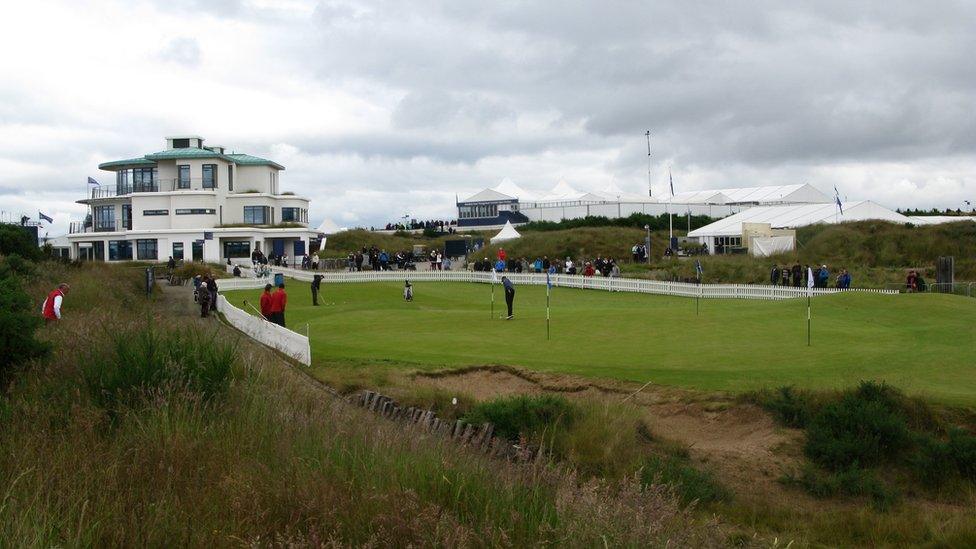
{"x":809,"y":278}
{"x":494,"y":275}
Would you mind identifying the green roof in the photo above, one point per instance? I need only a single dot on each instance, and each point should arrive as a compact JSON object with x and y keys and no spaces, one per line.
{"x":176,"y":154}
{"x":248,"y":160}
{"x":138,"y":162}
{"x":188,"y":153}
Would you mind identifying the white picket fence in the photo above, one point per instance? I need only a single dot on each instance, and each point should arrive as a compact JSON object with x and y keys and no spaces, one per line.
{"x":288,"y":342}
{"x":680,"y":289}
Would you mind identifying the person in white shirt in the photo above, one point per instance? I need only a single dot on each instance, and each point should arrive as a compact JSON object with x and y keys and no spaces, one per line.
{"x":51,"y":309}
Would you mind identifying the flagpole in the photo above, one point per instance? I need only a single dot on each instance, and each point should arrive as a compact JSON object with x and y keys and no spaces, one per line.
{"x":491,"y":314}
{"x":547,"y":307}
{"x":808,"y":318}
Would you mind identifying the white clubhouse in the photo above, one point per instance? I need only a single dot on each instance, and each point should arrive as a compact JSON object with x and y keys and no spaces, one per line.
{"x":195,"y":202}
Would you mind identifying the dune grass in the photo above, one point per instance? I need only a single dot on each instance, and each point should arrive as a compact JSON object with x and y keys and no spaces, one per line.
{"x":923,"y":344}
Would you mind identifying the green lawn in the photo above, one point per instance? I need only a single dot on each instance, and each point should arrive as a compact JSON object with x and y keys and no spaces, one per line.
{"x":924,"y":344}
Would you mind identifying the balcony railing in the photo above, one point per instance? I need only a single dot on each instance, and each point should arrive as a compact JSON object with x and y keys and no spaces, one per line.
{"x":78,"y":227}
{"x":154,"y":186}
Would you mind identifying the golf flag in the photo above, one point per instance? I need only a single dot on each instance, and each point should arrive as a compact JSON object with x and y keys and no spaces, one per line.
{"x":671,"y":180}
{"x":494,"y":276}
{"x":549,"y":272}
{"x":810,"y":280}
{"x":548,"y":278}
{"x":45,"y":217}
{"x":91,"y":181}
{"x":809,"y":294}
{"x":698,"y":269}
{"x":837,"y":200}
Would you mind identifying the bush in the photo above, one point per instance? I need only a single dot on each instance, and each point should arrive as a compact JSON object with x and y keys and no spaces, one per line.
{"x":14,"y":239}
{"x":962,"y":448}
{"x":932,"y":460}
{"x":145,"y":360}
{"x":850,"y":481}
{"x":692,"y":484}
{"x":790,"y":407}
{"x":19,"y":319}
{"x":531,"y":416}
{"x":864,"y":428}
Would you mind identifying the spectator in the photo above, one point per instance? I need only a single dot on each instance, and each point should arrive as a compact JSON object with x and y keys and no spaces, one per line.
{"x":785,"y":273}
{"x":537,"y":265}
{"x":797,"y":275}
{"x":844,"y":279}
{"x":212,"y":287}
{"x":823,"y":276}
{"x":911,"y":282}
{"x":588,"y":269}
{"x":446,"y":264}
{"x":501,"y":254}
{"x":499,"y":265}
{"x":315,"y":261}
{"x":774,"y":274}
{"x":171,"y":264}
{"x":204,"y":299}
{"x":570,"y":267}
{"x":51,"y":309}
{"x":237,"y":270}
{"x":279,"y":301}
{"x":266,"y":303}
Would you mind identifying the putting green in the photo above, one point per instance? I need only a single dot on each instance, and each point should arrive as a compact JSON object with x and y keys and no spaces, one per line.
{"x":924,"y":344}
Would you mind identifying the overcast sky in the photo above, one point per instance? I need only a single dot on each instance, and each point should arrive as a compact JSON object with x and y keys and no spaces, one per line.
{"x":381,"y":109}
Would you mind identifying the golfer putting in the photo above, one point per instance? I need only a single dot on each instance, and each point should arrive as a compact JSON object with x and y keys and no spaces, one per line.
{"x":509,"y":295}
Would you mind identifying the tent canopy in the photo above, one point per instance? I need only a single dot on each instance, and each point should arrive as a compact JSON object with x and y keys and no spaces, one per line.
{"x":508,"y":232}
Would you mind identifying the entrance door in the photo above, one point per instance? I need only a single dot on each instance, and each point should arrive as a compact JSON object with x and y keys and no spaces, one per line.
{"x":278,"y":247}
{"x":299,"y":248}
{"x":98,"y":250}
{"x":197,"y":250}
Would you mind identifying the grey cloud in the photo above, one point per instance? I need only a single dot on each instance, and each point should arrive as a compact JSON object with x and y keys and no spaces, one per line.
{"x":183,"y":51}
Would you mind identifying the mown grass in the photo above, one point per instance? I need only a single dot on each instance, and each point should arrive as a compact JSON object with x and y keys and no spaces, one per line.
{"x":252,"y":454}
{"x":732,"y":345}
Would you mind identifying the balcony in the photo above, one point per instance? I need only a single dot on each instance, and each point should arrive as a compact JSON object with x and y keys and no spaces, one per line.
{"x":154,"y":186}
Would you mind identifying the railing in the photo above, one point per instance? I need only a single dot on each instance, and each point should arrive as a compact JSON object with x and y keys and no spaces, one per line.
{"x":967,"y":289}
{"x":609,"y":284}
{"x":156,"y":185}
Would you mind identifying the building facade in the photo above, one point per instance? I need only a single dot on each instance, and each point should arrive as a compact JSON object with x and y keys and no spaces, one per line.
{"x":195,"y":202}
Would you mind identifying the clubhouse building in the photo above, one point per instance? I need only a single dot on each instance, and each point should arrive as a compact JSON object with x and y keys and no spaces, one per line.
{"x":192,"y":201}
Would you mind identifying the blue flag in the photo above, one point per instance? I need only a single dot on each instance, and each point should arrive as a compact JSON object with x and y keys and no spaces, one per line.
{"x":91,"y":181}
{"x":698,"y":268}
{"x":548,"y":279}
{"x":44,"y":217}
{"x":837,"y":200}
{"x":671,"y":179}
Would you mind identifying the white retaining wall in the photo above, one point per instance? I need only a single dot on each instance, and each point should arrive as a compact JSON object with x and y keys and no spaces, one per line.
{"x":288,"y":342}
{"x":681,"y":289}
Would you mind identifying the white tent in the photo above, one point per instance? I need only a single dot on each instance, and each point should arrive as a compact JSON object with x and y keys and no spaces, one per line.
{"x":329,"y":227}
{"x":508,"y":232}
{"x":798,"y":215}
{"x":765,"y":246}
{"x":771,"y":194}
{"x":510,"y":188}
{"x":562,"y":191}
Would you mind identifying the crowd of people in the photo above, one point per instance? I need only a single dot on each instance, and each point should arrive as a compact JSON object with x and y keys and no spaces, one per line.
{"x":798,"y":276}
{"x":413,"y":225}
{"x":503,"y":263}
{"x":205,"y":293}
{"x":371,"y":258}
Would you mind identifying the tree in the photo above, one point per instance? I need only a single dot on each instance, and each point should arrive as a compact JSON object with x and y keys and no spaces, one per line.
{"x":14,"y":239}
{"x":18,"y":322}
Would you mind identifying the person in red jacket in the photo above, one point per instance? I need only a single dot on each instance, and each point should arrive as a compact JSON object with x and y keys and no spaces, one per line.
{"x":502,"y":255}
{"x":266,"y":302}
{"x":52,"y":305}
{"x":279,"y":300}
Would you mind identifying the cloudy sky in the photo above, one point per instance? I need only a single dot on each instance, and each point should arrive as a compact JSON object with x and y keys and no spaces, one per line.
{"x":380,"y":109}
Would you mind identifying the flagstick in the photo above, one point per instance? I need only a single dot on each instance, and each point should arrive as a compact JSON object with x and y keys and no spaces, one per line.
{"x":547,"y":311}
{"x":491,"y":315}
{"x":808,"y":318}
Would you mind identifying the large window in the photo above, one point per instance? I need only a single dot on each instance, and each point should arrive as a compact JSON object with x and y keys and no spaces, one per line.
{"x":196,"y":211}
{"x":127,"y":216}
{"x":181,"y":143}
{"x":104,"y":218}
{"x":478,"y":210}
{"x":155,"y":212}
{"x":209,"y":176}
{"x":177,"y":250}
{"x":184,"y":180}
{"x":119,"y":250}
{"x":293,"y":214}
{"x":144,"y":180}
{"x":146,"y":249}
{"x":256,"y":215}
{"x":237,"y":248}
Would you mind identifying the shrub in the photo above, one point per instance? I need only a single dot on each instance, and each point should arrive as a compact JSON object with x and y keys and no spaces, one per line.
{"x":850,"y":481}
{"x":145,"y":360}
{"x":692,"y":484}
{"x":932,"y":460}
{"x":524,"y":415}
{"x":864,"y":428}
{"x":14,"y":239}
{"x":19,"y":319}
{"x":790,"y":407}
{"x":962,"y":448}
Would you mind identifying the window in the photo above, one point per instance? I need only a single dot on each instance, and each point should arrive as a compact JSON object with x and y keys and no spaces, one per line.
{"x":478,"y":210}
{"x":155,"y":212}
{"x":291,"y":214}
{"x":104,"y":218}
{"x":184,"y":180}
{"x":272,"y":176}
{"x":122,"y":182}
{"x":209,"y":176}
{"x":181,"y":143}
{"x":256,"y":215}
{"x":146,"y":249}
{"x":127,"y":216}
{"x":144,"y":180}
{"x":196,"y":211}
{"x":230,"y":178}
{"x":177,"y":250}
{"x":119,"y":250}
{"x":237,"y":248}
